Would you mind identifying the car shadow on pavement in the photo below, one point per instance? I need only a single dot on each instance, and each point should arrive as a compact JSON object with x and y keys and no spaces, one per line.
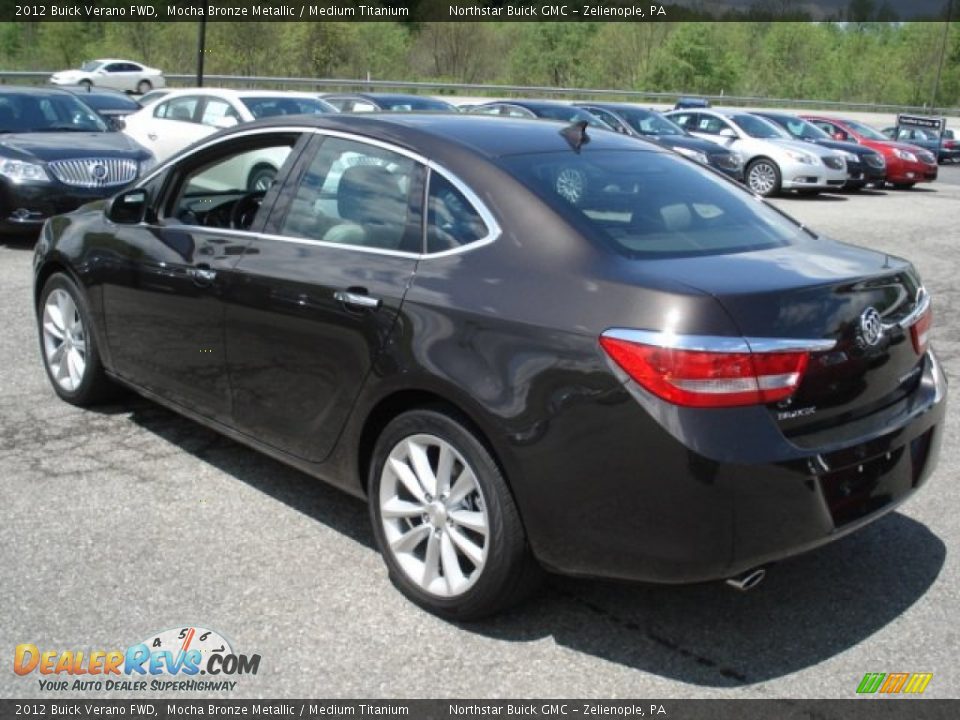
{"x":819,"y":197}
{"x":809,"y":609}
{"x":18,"y":242}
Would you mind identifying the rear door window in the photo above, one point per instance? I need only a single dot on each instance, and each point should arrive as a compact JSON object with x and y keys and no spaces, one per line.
{"x":452,"y":220}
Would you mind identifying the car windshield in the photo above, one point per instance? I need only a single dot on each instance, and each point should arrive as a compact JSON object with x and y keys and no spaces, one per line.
{"x":91,"y":65}
{"x":651,"y":205}
{"x":408,"y":104}
{"x":270,"y":106}
{"x":651,"y":123}
{"x":865,"y":130}
{"x":799,"y":128}
{"x":22,"y":113}
{"x":758,"y":127}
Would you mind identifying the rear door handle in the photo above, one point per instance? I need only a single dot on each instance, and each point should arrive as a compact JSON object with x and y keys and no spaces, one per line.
{"x":357,"y":299}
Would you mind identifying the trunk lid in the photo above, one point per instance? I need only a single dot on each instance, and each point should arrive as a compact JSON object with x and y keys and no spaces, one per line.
{"x":821,"y":290}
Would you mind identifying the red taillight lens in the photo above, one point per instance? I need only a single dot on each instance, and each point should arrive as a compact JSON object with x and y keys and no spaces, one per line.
{"x":920,"y":331}
{"x":695,"y":378}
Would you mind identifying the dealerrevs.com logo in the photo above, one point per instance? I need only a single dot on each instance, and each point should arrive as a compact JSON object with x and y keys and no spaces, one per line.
{"x":169,"y":661}
{"x":894,"y":683}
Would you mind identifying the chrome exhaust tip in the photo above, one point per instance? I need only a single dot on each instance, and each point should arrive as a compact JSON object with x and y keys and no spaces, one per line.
{"x":748,"y":580}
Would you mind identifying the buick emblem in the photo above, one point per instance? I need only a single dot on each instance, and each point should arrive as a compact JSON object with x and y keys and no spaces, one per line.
{"x":871,"y":327}
{"x":98,"y":171}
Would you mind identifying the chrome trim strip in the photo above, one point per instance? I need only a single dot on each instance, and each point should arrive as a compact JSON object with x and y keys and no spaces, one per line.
{"x":922,"y":305}
{"x":719,"y":343}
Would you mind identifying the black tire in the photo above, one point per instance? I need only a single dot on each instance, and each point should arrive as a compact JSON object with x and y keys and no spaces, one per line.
{"x":94,"y":387}
{"x":757,"y":165}
{"x":144,"y":86}
{"x":260,"y":178}
{"x":809,"y":193}
{"x":509,"y":573}
{"x":903,"y":186}
{"x":85,"y":83}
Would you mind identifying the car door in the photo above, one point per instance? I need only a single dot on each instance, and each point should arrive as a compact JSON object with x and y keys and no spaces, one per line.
{"x":174,"y":124}
{"x":318,"y":292}
{"x":167,"y":278}
{"x":110,"y":76}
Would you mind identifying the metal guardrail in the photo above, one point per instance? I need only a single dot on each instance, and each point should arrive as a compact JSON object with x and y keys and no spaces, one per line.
{"x":441,"y":88}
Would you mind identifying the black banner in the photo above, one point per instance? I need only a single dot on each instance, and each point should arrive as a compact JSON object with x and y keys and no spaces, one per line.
{"x":469,"y":10}
{"x":152,"y":709}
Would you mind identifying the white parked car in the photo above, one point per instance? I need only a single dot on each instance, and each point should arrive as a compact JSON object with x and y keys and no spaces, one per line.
{"x":182,"y":117}
{"x":123,"y":75}
{"x":772,"y":160}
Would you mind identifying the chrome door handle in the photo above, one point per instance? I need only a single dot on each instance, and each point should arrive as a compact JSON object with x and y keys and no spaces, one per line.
{"x":357,"y":299}
{"x":152,"y":136}
{"x":203,"y":276}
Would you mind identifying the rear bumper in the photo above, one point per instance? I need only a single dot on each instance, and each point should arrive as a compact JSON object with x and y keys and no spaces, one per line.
{"x":688,"y":496}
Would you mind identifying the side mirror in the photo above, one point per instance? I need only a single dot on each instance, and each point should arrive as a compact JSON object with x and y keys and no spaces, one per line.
{"x":116,"y":123}
{"x":225,"y":122}
{"x":728,"y":133}
{"x":128,"y":208}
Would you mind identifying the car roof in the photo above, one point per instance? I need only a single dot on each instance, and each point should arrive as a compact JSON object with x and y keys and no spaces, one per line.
{"x":237,"y":94}
{"x":32,"y":90}
{"x":432,"y":134}
{"x":110,"y":60}
{"x":530,"y":104}
{"x":616,"y":107}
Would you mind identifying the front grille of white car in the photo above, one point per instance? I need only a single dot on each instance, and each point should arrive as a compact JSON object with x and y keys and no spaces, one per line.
{"x":94,"y":172}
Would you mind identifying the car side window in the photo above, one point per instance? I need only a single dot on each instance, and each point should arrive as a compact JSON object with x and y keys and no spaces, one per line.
{"x":711,"y":125}
{"x":181,"y":109}
{"x":685,"y":120}
{"x":452,"y":220}
{"x":224,"y":190}
{"x":114,"y":67}
{"x":363,"y":106}
{"x":486,"y":110}
{"x":358,"y":195}
{"x":609,"y":118}
{"x":515,"y":111}
{"x":215,"y":110}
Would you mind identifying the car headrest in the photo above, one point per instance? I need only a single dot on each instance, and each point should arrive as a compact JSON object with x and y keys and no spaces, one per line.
{"x":371,"y":195}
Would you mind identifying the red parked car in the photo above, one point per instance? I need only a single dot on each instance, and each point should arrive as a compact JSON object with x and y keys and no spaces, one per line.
{"x":907,"y":164}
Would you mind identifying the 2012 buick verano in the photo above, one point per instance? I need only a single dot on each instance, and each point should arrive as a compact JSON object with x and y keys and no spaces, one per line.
{"x":527,"y":344}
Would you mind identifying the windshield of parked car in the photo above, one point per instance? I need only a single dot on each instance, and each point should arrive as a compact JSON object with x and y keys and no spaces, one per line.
{"x":651,"y":123}
{"x":23,"y":113}
{"x":758,"y":127}
{"x":651,"y":205}
{"x":270,"y":106}
{"x":799,"y":128}
{"x":408,"y":104}
{"x":570,"y":114}
{"x":91,"y":65}
{"x":865,"y":130}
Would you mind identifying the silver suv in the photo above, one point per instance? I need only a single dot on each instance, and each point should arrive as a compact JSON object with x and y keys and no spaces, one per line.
{"x":772,"y":161}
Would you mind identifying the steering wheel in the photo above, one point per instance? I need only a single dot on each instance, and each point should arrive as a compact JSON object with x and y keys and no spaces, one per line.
{"x":245,"y":210}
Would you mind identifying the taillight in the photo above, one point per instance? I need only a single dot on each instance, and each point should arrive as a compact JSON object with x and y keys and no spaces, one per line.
{"x":920,"y":331}
{"x":707,"y":378}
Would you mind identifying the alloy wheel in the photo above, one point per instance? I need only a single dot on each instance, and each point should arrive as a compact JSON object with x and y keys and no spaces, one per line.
{"x":434,"y":517}
{"x":64,"y":340}
{"x":762,"y":178}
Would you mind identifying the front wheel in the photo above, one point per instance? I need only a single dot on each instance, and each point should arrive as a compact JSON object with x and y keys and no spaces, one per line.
{"x":261,"y":178}
{"x":763,"y":177}
{"x":444,"y":519}
{"x":67,"y":341}
{"x":143,"y":87}
{"x":903,"y":186}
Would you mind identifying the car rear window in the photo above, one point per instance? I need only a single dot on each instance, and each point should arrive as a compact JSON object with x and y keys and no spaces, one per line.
{"x":649,"y":204}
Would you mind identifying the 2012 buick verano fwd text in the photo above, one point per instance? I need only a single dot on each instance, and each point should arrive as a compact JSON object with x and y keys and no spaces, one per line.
{"x":529,"y":345}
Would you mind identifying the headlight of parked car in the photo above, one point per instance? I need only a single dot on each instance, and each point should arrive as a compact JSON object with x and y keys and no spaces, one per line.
{"x":19,"y":171}
{"x":693,"y":154}
{"x":905,"y":155}
{"x":802,"y":157}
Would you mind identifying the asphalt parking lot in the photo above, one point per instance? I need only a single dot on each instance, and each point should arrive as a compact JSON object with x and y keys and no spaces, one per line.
{"x":130,"y":520}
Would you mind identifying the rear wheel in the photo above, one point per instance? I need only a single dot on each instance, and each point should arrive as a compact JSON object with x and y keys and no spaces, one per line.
{"x":763,"y":177}
{"x":144,"y":86}
{"x":445,"y":520}
{"x":85,"y":84}
{"x":68,"y":344}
